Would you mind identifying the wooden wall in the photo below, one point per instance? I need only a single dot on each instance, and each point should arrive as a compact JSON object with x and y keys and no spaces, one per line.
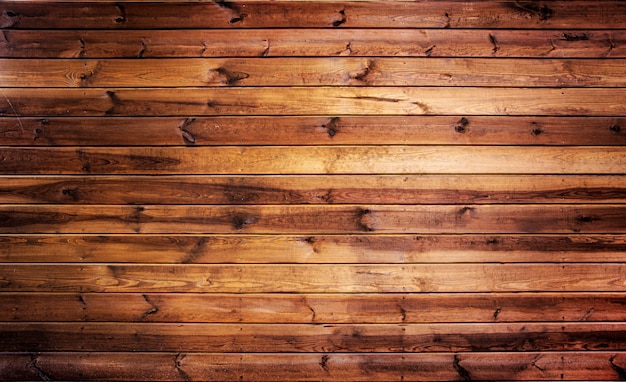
{"x":430,"y":190}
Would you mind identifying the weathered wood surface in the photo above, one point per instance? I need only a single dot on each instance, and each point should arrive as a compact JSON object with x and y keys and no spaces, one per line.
{"x":310,"y":71}
{"x":271,"y":160}
{"x":312,"y":249}
{"x":315,"y":219}
{"x":325,"y":14}
{"x":588,"y":43}
{"x":312,"y":101}
{"x":314,"y":308}
{"x":275,"y":278}
{"x":316,"y":189}
{"x":305,"y":131}
{"x":177,"y":366}
{"x":261,"y":338}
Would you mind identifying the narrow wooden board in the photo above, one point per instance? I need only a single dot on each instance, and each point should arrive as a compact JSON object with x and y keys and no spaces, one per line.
{"x":303,"y":71}
{"x":182,"y":366}
{"x":313,"y":160}
{"x":314,"y":308}
{"x":406,"y":278}
{"x":229,"y":338}
{"x":180,"y":43}
{"x":319,"y":14}
{"x":315,"y":249}
{"x":298,"y":131}
{"x":315,"y":219}
{"x":323,"y":189}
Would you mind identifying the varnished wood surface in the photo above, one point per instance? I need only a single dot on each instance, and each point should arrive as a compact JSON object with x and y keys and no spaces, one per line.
{"x":324,"y":14}
{"x":311,"y":249}
{"x":183,"y":366}
{"x":314,"y":189}
{"x":588,"y":43}
{"x":313,"y":160}
{"x":338,"y":71}
{"x":305,"y":131}
{"x":314,"y":308}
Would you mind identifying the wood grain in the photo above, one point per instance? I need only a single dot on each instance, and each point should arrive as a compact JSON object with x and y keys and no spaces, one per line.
{"x":314,"y":308}
{"x":178,"y":43}
{"x":298,"y":131}
{"x":313,"y":249}
{"x":319,"y":14}
{"x":406,"y":278}
{"x":323,"y":189}
{"x":313,"y":160}
{"x":228,"y":338}
{"x":338,"y":71}
{"x":315,"y":219}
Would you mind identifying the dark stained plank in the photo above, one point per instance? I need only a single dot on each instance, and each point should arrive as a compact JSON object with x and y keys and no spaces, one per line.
{"x":315,"y":219}
{"x":406,"y":278}
{"x":138,"y":366}
{"x":229,"y":338}
{"x":323,"y":189}
{"x":313,"y":160}
{"x":332,"y":130}
{"x":314,"y":308}
{"x":336,"y":71}
{"x":320,"y":249}
{"x":178,"y":43}
{"x":18,"y":102}
{"x":331,"y":14}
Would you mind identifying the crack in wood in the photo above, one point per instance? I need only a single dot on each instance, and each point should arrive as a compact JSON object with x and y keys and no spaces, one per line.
{"x":448,"y":19}
{"x":332,"y":126}
{"x":324,"y":362}
{"x":82,"y":52}
{"x":266,"y":51}
{"x":363,"y":215}
{"x":239,"y":222}
{"x":122,"y":18}
{"x":41,"y":374}
{"x":153,"y":308}
{"x":544,"y":13}
{"x":337,"y":23}
{"x":197,"y":250}
{"x":494,"y":42}
{"x":463,"y":373}
{"x":461,"y":125}
{"x":574,"y":37}
{"x":188,"y":137}
{"x":142,"y":51}
{"x":178,"y":363}
{"x":621,"y":373}
{"x":230,"y":78}
{"x":429,"y":51}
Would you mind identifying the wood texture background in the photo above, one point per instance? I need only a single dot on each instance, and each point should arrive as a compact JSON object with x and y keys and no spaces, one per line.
{"x":313,"y":190}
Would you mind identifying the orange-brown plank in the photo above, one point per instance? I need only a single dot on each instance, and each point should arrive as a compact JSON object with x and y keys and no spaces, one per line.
{"x":406,"y":278}
{"x":312,"y":42}
{"x":18,"y":102}
{"x":244,"y":130}
{"x":347,"y":249}
{"x":313,"y":72}
{"x":314,"y":308}
{"x":326,"y":189}
{"x":177,"y":337}
{"x":315,"y":219}
{"x":268,"y":14}
{"x":313,"y":160}
{"x":137,"y":366}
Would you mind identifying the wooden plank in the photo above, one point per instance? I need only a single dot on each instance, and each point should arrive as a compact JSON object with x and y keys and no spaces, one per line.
{"x":138,"y":366}
{"x":332,"y":130}
{"x":228,"y":338}
{"x":406,"y":278}
{"x":314,"y":308}
{"x":19,"y":102}
{"x":326,"y":189}
{"x":313,"y":160}
{"x":317,"y":249}
{"x":337,"y":71}
{"x":315,"y":219}
{"x":324,"y":14}
{"x":588,"y":43}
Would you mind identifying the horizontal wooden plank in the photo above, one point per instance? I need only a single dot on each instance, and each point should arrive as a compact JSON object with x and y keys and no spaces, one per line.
{"x":406,"y":278}
{"x":313,"y":308}
{"x":342,"y":249}
{"x":313,"y":160}
{"x":327,"y":189}
{"x":332,"y":130}
{"x":18,"y":102}
{"x":315,"y":219}
{"x":589,"y":43}
{"x":27,"y":337}
{"x":325,"y":14}
{"x":337,"y":71}
{"x":138,"y":366}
